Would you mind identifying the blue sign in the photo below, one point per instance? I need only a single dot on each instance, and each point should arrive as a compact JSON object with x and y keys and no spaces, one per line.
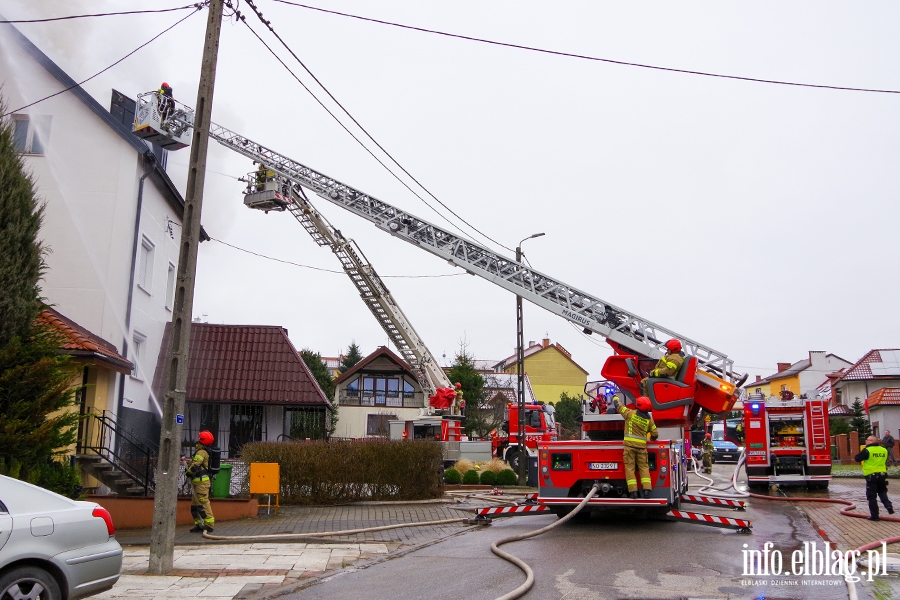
{"x":179,"y":419}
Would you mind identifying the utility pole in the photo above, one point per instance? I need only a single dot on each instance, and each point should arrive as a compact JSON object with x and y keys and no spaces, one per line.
{"x":520,"y":372}
{"x":165,"y":503}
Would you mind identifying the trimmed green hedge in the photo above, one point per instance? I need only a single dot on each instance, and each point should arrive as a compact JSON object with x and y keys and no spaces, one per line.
{"x":319,"y":472}
{"x":507,"y":477}
{"x":471,"y":477}
{"x":488,"y":478}
{"x":452,"y":476}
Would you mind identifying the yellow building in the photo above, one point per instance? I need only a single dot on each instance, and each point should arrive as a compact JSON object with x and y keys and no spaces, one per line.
{"x":551,"y":370}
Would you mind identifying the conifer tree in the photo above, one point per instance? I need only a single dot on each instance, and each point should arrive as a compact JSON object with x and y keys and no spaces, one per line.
{"x":352,"y":357}
{"x":35,"y":378}
{"x":860,"y":421}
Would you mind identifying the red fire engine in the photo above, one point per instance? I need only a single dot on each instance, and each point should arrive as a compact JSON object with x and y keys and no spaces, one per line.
{"x":540,"y":425}
{"x":787,"y":441}
{"x":569,"y":469}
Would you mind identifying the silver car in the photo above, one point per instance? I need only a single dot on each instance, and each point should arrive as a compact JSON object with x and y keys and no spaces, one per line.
{"x":52,"y":547}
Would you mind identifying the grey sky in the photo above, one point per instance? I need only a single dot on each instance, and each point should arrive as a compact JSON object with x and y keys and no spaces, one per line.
{"x":758,"y":219}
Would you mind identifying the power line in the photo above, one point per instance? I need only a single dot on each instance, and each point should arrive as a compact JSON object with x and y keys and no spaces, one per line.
{"x":593,"y":58}
{"x":363,"y":129}
{"x":287,"y":262}
{"x":196,"y":5}
{"x":199,"y":7}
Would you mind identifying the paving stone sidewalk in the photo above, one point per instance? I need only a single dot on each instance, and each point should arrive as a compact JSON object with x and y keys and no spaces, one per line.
{"x":217,"y":570}
{"x":848,"y":532}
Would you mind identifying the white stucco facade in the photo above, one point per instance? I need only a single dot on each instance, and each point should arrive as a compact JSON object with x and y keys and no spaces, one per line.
{"x":111,"y":251}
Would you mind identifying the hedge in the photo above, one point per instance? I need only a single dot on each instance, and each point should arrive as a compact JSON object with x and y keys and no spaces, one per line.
{"x":452,"y":476}
{"x":337,"y":472}
{"x":470,"y":477}
{"x":488,"y":478}
{"x":507,"y":477}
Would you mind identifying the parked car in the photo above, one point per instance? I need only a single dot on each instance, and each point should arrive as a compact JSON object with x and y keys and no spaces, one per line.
{"x":724,"y":450}
{"x":52,"y":547}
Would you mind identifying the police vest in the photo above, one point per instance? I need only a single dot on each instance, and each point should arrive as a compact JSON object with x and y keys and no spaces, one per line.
{"x":877,"y":461}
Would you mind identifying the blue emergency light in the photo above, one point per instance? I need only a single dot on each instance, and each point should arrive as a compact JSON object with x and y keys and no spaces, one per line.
{"x":754,"y":408}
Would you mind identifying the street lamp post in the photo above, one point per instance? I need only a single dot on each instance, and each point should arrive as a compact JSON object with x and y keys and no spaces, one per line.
{"x":520,"y":372}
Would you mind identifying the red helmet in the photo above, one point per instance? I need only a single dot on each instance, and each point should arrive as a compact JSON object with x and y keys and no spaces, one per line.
{"x":673,"y":345}
{"x":709,"y":436}
{"x":205,"y":438}
{"x":643,"y":403}
{"x":164,"y":85}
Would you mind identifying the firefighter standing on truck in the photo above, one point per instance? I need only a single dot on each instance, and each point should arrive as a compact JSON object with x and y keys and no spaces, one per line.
{"x":873,"y":457}
{"x":667,"y":366}
{"x":706,"y":456}
{"x":198,"y":472}
{"x":639,"y":426}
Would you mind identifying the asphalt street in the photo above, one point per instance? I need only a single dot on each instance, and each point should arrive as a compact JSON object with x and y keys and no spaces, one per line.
{"x":606,"y":556}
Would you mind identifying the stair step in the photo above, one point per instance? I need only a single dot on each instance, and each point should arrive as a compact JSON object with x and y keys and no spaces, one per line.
{"x":104,"y":466}
{"x":135,"y":490}
{"x":123,"y":482}
{"x":89,"y":458}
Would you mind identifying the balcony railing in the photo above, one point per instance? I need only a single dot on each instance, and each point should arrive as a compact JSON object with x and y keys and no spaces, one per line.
{"x":398,"y":400}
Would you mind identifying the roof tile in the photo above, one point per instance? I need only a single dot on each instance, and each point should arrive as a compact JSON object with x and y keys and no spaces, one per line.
{"x":81,"y":343}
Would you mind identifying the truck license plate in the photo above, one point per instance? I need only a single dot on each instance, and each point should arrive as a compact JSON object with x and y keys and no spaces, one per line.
{"x":603,"y":466}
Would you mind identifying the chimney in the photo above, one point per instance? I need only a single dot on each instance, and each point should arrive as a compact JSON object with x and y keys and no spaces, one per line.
{"x":758,"y":378}
{"x":530,"y":343}
{"x":545,"y":342}
{"x":783,"y":367}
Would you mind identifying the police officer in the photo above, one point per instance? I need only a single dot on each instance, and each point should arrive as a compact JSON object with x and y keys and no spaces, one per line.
{"x":874,"y":463}
{"x":667,"y":366}
{"x":198,"y":471}
{"x":638,"y":426}
{"x":706,"y":456}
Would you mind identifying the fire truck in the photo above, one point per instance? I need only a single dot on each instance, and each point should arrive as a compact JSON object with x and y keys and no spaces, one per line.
{"x":787,"y":441}
{"x":540,"y":426}
{"x":567,"y":468}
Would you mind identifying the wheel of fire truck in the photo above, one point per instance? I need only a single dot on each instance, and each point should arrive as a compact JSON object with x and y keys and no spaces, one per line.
{"x":512,"y":457}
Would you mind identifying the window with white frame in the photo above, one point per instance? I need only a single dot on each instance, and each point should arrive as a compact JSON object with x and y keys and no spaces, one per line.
{"x":138,"y":341}
{"x":145,"y":265}
{"x":31,"y":133}
{"x":170,"y":286}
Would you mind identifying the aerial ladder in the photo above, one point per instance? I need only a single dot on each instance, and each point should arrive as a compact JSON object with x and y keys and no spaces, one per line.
{"x":267,"y":191}
{"x":623,"y":330}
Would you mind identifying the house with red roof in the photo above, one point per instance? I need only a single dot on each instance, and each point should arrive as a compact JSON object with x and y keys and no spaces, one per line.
{"x":248,"y":383}
{"x":875,"y":378}
{"x":378,"y":389}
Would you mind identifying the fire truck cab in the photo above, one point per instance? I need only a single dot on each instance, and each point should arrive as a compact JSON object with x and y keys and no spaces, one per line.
{"x":787,"y":441}
{"x":540,"y":425}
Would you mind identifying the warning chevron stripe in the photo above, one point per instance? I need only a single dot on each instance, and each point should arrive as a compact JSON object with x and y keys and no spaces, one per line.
{"x":512,"y":510}
{"x":712,"y":520}
{"x":712,"y":501}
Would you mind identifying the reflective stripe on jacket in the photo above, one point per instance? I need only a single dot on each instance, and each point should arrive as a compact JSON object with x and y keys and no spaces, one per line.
{"x":636,"y":426}
{"x":668,"y":365}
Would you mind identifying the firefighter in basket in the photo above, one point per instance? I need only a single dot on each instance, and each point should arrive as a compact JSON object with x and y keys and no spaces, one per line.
{"x":639,"y":426}
{"x":199,"y":474}
{"x":706,"y":456}
{"x":667,"y":366}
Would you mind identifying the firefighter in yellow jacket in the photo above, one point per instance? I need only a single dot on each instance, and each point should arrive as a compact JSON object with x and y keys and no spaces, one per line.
{"x":198,"y":472}
{"x":639,"y":426}
{"x":667,"y":366}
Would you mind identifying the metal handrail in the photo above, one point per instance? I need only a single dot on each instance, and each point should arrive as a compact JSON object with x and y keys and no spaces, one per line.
{"x":104,"y":437}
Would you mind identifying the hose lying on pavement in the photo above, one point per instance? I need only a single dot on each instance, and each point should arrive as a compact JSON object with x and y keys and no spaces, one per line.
{"x":323,"y":537}
{"x":529,"y":574}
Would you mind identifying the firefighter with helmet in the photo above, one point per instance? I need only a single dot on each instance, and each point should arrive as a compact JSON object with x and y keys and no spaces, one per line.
{"x":166,"y":102}
{"x":198,"y":472}
{"x":706,"y":456}
{"x":667,"y":366}
{"x":639,"y":426}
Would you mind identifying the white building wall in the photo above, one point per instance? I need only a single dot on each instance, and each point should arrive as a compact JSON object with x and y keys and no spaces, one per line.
{"x":821,"y":364}
{"x":89,"y":178}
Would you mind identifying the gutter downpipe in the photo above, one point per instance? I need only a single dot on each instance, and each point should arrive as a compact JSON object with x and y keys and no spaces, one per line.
{"x":134,"y":250}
